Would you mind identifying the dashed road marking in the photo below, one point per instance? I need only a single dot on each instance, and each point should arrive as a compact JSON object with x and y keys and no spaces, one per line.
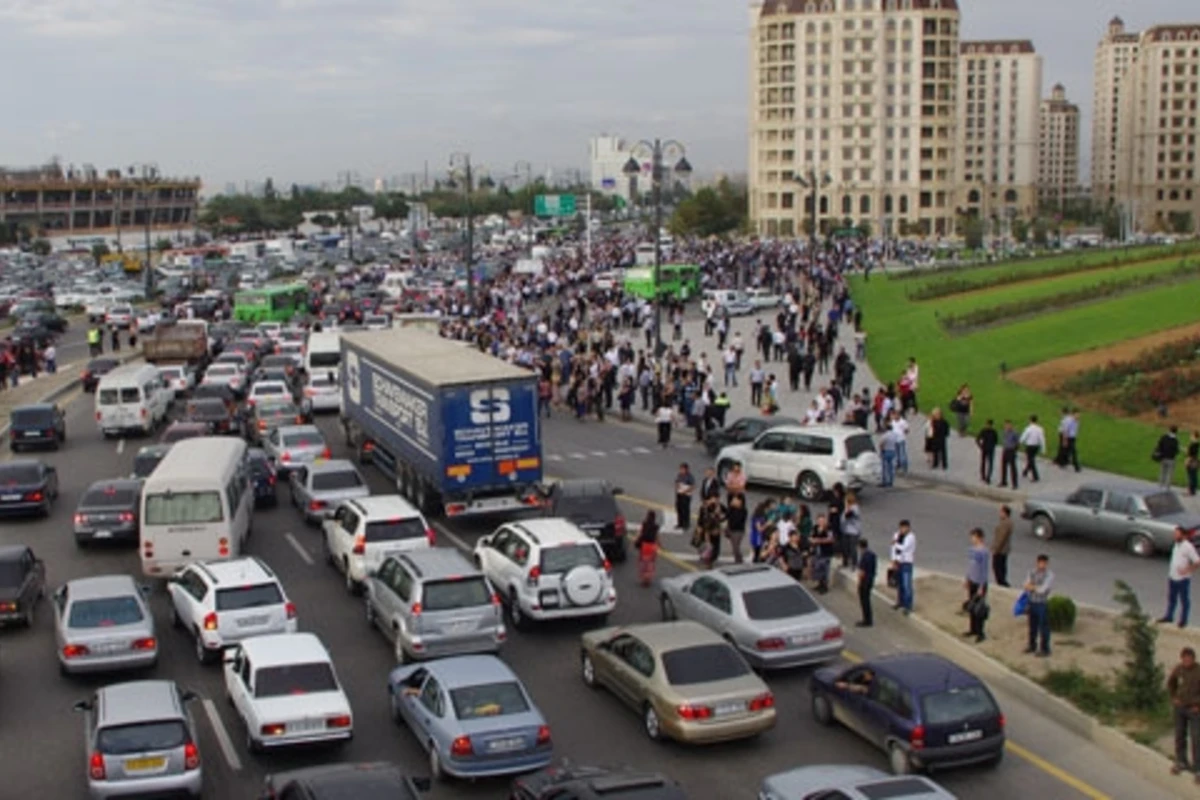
{"x":642,"y":451}
{"x":553,"y":457}
{"x":223,"y":740}
{"x":454,"y":538}
{"x":599,"y":453}
{"x":120,"y":446}
{"x":299,"y":548}
{"x":621,"y":451}
{"x":578,"y":456}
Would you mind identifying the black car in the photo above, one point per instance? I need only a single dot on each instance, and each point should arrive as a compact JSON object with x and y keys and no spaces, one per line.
{"x":218,"y":390}
{"x":27,"y":487}
{"x":596,"y":783}
{"x":96,"y":369}
{"x":22,"y":584}
{"x":214,"y":413}
{"x":147,"y":459}
{"x":32,"y":330}
{"x":37,"y":425}
{"x":108,"y":511}
{"x":262,"y":477}
{"x":745,"y":429}
{"x":178,"y":431}
{"x":50,"y":319}
{"x":591,"y":504}
{"x":368,"y":781}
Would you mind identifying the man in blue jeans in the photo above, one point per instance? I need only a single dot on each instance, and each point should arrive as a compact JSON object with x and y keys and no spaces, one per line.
{"x":1184,"y":561}
{"x":1038,"y":585}
{"x":904,"y":551}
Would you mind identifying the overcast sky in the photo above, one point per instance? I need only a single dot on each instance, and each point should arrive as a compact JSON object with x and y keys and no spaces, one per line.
{"x":302,"y":90}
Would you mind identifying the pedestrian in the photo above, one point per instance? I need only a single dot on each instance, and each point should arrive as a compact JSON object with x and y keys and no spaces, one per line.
{"x":710,"y":525}
{"x":1038,"y":584}
{"x":760,"y":521}
{"x":1009,"y":444}
{"x":647,"y":547}
{"x":1001,"y":542}
{"x":900,"y":428}
{"x":771,"y":553}
{"x":851,"y":531}
{"x":904,"y":550}
{"x":95,"y":341}
{"x":116,"y":339}
{"x":976,"y":585}
{"x":961,"y":406}
{"x":823,"y":545}
{"x":1192,"y":465}
{"x":735,"y":482}
{"x":685,"y":485}
{"x":50,"y":358}
{"x":792,"y":555}
{"x":887,"y":455}
{"x":986,"y":441}
{"x":1033,"y":439}
{"x":1183,"y":687}
{"x":867,"y":566}
{"x":1165,"y":453}
{"x":1184,"y":561}
{"x":757,"y":378}
{"x":1068,"y":433}
{"x":665,"y":417}
{"x":735,"y":524}
{"x":626,"y":398}
{"x":937,"y":435}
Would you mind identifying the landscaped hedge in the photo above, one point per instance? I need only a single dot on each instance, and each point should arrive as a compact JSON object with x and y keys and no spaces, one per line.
{"x":980,"y":317}
{"x":1142,"y":393}
{"x":1094,"y":257}
{"x":953,"y":286}
{"x":1115,"y":373}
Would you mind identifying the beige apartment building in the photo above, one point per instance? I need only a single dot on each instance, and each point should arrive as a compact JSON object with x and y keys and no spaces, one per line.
{"x":999,"y":93}
{"x":1114,"y":55}
{"x":1058,"y":150}
{"x":1158,"y":179}
{"x":861,"y":94}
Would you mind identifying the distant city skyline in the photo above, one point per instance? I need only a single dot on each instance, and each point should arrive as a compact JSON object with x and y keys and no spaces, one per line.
{"x":302,"y":90}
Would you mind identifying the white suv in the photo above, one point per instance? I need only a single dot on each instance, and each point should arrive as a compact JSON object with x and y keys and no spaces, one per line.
{"x":807,"y":458}
{"x":221,"y":603}
{"x":362,"y":532}
{"x":547,"y":569}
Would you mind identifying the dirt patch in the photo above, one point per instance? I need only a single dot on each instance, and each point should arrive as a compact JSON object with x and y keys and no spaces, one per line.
{"x":1096,"y":647}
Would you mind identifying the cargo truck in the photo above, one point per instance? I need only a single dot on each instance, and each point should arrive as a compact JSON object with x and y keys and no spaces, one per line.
{"x":176,"y":343}
{"x":457,"y":429}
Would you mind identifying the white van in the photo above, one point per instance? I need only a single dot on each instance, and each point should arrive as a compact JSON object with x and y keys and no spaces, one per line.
{"x":395,"y":283}
{"x":196,"y":505}
{"x":133,"y":397}
{"x":324,"y":352}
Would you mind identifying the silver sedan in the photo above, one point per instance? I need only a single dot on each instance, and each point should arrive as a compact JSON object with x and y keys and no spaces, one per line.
{"x":765,"y":613}
{"x":103,"y":624}
{"x":318,"y":488}
{"x":291,"y":446}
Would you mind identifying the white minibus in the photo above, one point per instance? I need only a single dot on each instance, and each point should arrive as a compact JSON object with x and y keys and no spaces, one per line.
{"x":323,"y":352}
{"x":133,"y":397}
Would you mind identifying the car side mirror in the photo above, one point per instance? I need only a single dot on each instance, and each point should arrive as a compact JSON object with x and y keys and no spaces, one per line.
{"x":52,"y":470}
{"x":144,"y":589}
{"x":618,"y":490}
{"x":82,"y":705}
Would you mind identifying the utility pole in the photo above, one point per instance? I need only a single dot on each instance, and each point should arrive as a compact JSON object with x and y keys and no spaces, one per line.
{"x":468,"y":185}
{"x":588,"y":229}
{"x":149,"y":275}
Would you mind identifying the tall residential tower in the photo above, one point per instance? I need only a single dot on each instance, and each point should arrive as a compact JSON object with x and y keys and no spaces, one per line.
{"x":1058,"y":150}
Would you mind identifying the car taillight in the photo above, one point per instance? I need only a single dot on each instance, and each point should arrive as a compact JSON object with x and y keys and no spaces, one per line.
{"x":619,"y":525}
{"x":273,"y":729}
{"x":431,"y":536}
{"x":80,"y":519}
{"x":290,"y":610}
{"x":191,"y":756}
{"x":496,"y":599}
{"x":210,"y":621}
{"x":534,"y":574}
{"x":299,"y":420}
{"x":97,"y":416}
{"x":360,"y":545}
{"x":770,"y":644}
{"x":223,"y":547}
{"x":142,"y":412}
{"x":96,"y":767}
{"x":1002,"y":721}
{"x":415,"y":610}
{"x":75,"y":651}
{"x":461,"y":746}
{"x":762,"y":702}
{"x":543,"y":736}
{"x":607,"y":565}
{"x":286,"y":456}
{"x":144,"y":644}
{"x":691,"y":712}
{"x":916,"y":739}
{"x":126,"y":516}
{"x":368,"y":447}
{"x":34,"y":497}
{"x":832,"y":633}
{"x":316,"y":505}
{"x":340,"y":721}
{"x":262,"y":424}
{"x":326,"y":453}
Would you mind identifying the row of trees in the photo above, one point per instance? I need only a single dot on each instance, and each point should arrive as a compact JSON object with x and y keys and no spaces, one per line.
{"x":712,"y":211}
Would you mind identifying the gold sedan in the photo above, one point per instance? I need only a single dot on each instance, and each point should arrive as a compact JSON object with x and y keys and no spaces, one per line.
{"x":687,"y":682}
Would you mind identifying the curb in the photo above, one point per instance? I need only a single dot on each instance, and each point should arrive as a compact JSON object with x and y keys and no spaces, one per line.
{"x":1145,"y":762}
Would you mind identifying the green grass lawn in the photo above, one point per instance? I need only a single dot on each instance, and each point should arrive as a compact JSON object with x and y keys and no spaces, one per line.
{"x":898,"y":328}
{"x":1017,"y":292}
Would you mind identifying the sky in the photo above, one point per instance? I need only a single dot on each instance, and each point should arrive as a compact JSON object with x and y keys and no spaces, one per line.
{"x":303,"y":90}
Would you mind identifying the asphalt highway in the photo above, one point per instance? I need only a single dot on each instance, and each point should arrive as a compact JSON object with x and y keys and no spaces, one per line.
{"x":43,"y":754}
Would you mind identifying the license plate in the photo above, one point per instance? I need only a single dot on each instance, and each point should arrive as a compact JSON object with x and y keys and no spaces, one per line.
{"x":306,"y":725}
{"x":549,"y":600}
{"x":144,"y":764}
{"x":725,"y":709}
{"x":965,"y":736}
{"x":31,"y":434}
{"x":256,"y":620}
{"x":459,"y":627}
{"x":506,"y":745}
{"x":102,"y":535}
{"x":805,"y":638}
{"x":10,"y":498}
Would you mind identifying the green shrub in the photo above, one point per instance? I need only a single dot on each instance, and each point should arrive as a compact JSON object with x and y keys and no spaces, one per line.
{"x":1061,"y":612}
{"x":1088,"y":693}
{"x":1142,"y":683}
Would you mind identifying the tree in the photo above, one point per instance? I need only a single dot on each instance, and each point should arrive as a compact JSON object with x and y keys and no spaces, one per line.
{"x":973,"y":232}
{"x":864,"y":228}
{"x":1181,"y":222}
{"x":41,"y":247}
{"x":1041,"y":232}
{"x":269,"y":193}
{"x":163,"y":245}
{"x":324,"y":220}
{"x":1020,"y":230}
{"x":99,"y":251}
{"x":1112,"y":225}
{"x":709,"y":212}
{"x":1142,"y":679}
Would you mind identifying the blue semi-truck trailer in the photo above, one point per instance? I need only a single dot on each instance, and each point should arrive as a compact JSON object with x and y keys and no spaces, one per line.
{"x":457,"y":429}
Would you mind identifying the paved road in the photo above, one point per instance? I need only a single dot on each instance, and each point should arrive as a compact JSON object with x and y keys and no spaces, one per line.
{"x":587,"y":726}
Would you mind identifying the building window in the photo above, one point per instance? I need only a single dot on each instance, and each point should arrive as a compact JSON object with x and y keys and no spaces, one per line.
{"x":847,"y":205}
{"x":864,"y":204}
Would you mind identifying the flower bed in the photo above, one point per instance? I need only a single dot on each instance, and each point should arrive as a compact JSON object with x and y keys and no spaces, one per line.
{"x":1115,"y":374}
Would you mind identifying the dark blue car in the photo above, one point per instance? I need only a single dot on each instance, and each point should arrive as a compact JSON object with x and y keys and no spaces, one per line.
{"x":262,"y":477}
{"x":923,"y":711}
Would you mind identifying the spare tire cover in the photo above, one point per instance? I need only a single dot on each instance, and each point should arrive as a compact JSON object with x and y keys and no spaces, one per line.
{"x":583,"y":585}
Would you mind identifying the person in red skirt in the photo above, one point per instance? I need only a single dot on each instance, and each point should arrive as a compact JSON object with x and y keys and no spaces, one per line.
{"x":647,"y":548}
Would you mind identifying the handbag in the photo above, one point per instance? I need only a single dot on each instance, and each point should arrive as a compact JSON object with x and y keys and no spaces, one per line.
{"x":893,"y":577}
{"x":978,"y":608}
{"x":1021,"y":607}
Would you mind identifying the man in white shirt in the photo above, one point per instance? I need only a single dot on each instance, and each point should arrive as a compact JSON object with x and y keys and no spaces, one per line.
{"x":1184,"y":561}
{"x":904,"y":552}
{"x":1033,"y":439}
{"x":900,"y":429}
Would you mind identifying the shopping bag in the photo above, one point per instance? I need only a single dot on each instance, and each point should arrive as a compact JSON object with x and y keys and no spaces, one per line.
{"x":1021,"y":607}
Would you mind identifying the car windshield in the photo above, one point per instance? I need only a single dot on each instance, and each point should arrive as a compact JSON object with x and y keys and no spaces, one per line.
{"x":183,"y":508}
{"x":294,"y":679}
{"x":957,"y":705}
{"x":12,"y":474}
{"x":326,"y":359}
{"x":207,"y":408}
{"x":395,"y":530}
{"x":332,"y":481}
{"x":104,"y":612}
{"x":456,"y":593}
{"x":488,"y":700}
{"x":779,"y":602}
{"x":322,"y":382}
{"x":567,"y":557}
{"x":703,"y":663}
{"x":264,"y":389}
{"x":145,"y":463}
{"x":171,"y":373}
{"x":277,"y":410}
{"x":239,"y":597}
{"x":592,"y":507}
{"x":858,"y":444}
{"x":1163,"y":504}
{"x":183,"y":430}
{"x":108,"y":496}
{"x":142,"y":737}
{"x":222,"y":371}
{"x":23,"y":417}
{"x":312,"y":439}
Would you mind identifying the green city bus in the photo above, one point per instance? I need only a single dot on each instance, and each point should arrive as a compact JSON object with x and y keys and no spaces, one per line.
{"x":676,"y":281}
{"x":270,"y":303}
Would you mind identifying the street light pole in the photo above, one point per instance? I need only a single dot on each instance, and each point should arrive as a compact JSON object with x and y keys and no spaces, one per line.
{"x":149,"y":276}
{"x":529,"y":212}
{"x":468,"y":186}
{"x":814,"y":181}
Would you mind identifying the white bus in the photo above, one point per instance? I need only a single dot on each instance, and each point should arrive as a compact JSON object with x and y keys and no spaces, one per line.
{"x":323,"y":352}
{"x":196,"y":505}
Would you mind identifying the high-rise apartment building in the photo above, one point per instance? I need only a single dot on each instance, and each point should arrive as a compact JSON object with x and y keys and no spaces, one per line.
{"x":1058,"y":150}
{"x":1158,"y":179}
{"x":1114,"y":55}
{"x":860,"y":94}
{"x":999,"y":92}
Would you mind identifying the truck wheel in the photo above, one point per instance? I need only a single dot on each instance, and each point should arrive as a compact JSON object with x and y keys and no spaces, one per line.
{"x":433,"y":503}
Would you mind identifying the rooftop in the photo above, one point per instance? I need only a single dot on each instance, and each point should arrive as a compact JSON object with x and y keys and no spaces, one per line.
{"x":995,"y":46}
{"x":53,"y":175}
{"x":772,"y":7}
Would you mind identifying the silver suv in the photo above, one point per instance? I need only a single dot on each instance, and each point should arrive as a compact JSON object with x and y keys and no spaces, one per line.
{"x":140,"y":739}
{"x":433,"y":603}
{"x":807,"y":458}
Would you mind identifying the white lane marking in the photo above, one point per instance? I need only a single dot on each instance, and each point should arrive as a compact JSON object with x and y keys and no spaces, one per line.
{"x":554,"y":457}
{"x":454,"y":538}
{"x":641,"y":450}
{"x":299,"y":548}
{"x":599,"y":453}
{"x":222,"y":735}
{"x":120,"y":446}
{"x":621,"y":451}
{"x":578,"y":456}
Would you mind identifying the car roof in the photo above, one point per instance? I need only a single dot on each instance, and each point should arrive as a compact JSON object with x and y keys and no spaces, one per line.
{"x":551,"y":530}
{"x":240,"y":571}
{"x":183,"y":425}
{"x":460,"y":671}
{"x":284,"y":648}
{"x":332,"y":465}
{"x":852,"y":777}
{"x":578,"y":487}
{"x":33,"y":407}
{"x":923,"y":671}
{"x":12,"y":552}
{"x":828,"y":430}
{"x":100,"y":586}
{"x":286,"y":430}
{"x":754,"y":576}
{"x":138,"y":701}
{"x":435,"y":563}
{"x":114,"y":483}
{"x":383,"y":505}
{"x":672,"y":635}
